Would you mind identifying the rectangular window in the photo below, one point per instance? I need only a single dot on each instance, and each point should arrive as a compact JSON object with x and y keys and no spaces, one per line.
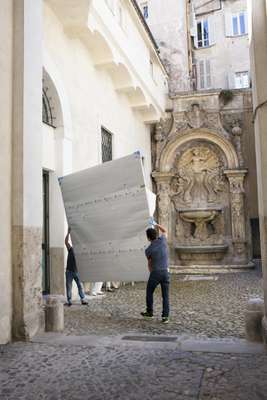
{"x":106,"y":145}
{"x":239,"y":25}
{"x":203,"y":33}
{"x":204,"y":74}
{"x":241,"y":80}
{"x":144,"y":9}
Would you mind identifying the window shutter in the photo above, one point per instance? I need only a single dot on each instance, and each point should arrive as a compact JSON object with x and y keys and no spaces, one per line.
{"x":201,"y":68}
{"x":228,"y":24}
{"x":211,"y":23}
{"x":231,"y":80}
{"x":208,"y":74}
{"x":246,"y":21}
{"x":196,"y":41}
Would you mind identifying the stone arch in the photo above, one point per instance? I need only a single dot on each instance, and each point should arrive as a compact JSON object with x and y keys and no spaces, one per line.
{"x":60,"y":97}
{"x":168,"y":153}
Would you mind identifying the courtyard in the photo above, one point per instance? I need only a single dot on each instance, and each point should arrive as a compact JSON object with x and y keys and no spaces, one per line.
{"x":206,"y":306}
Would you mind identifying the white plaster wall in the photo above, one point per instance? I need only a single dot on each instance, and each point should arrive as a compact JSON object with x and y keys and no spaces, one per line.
{"x":88,"y":100}
{"x":93,"y":101}
{"x":48,"y":147}
{"x":228,"y":54}
{"x":6,"y":24}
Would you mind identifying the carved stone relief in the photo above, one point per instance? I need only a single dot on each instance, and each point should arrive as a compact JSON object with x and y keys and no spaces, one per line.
{"x":199,"y":176}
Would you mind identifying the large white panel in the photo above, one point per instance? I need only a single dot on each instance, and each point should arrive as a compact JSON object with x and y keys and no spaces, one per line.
{"x":107,"y":208}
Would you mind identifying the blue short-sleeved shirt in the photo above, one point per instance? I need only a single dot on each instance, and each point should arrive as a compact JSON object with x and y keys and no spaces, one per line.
{"x":158,"y":252}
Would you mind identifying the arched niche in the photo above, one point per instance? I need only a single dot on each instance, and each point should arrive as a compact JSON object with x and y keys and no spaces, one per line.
{"x":169,"y":152}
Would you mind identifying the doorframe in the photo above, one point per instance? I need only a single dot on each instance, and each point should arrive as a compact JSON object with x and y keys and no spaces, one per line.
{"x":45,"y":238}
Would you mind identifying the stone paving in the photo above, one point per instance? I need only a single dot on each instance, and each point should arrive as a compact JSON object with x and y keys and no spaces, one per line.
{"x":212,"y":308}
{"x":128,"y":371}
{"x":93,"y":361}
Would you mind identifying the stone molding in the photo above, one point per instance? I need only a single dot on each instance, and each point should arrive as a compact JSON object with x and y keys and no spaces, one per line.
{"x":168,"y":154}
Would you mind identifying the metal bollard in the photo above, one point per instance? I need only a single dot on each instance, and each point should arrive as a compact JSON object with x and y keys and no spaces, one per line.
{"x":54,"y":316}
{"x":253,"y":319}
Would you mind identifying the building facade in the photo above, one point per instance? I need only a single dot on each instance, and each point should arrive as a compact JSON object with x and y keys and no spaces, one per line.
{"x":205,"y":200}
{"x":73,"y":96}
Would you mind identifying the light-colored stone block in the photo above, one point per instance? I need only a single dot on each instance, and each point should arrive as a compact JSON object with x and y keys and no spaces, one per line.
{"x":253,"y":319}
{"x":54,"y":316}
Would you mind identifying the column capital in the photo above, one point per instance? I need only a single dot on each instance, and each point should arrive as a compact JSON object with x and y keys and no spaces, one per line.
{"x":236,"y":179}
{"x":162,"y":177}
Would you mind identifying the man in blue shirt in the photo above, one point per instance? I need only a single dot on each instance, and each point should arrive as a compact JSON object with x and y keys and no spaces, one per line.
{"x":158,"y":265}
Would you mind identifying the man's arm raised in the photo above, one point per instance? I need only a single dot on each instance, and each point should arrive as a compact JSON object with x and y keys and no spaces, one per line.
{"x":161,"y":229}
{"x":67,"y":239}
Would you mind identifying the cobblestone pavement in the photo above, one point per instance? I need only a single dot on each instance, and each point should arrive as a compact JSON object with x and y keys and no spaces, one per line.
{"x":33,"y":371}
{"x":212,"y":308}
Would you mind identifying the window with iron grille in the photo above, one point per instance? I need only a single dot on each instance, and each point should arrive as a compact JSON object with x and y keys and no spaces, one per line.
{"x":48,"y":117}
{"x":106,"y":145}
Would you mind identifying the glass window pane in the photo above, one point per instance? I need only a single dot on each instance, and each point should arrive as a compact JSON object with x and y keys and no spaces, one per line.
{"x":145,"y":11}
{"x":242,"y":24}
{"x":199,"y":34}
{"x":235,"y":26}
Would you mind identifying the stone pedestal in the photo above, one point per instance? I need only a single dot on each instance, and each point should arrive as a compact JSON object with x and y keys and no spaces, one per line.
{"x":253,"y":320}
{"x":54,"y":316}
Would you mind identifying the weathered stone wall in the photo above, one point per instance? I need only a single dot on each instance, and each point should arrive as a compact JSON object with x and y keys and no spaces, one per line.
{"x":6,"y":26}
{"x":168,"y":23}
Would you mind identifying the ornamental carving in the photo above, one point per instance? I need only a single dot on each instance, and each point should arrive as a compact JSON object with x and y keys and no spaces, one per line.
{"x":195,"y":116}
{"x":199,"y":176}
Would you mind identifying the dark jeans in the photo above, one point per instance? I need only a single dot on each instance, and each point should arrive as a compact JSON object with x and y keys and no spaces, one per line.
{"x":156,"y":278}
{"x":69,"y":278}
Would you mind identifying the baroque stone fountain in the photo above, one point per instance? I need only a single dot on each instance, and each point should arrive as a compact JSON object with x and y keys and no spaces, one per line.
{"x":199,"y":174}
{"x":198,"y":188}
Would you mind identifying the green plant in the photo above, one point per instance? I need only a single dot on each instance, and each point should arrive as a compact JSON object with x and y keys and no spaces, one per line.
{"x":226,"y":96}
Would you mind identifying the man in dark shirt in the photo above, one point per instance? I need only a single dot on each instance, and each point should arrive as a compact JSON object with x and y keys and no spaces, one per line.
{"x":158,"y":265}
{"x":72,"y":273}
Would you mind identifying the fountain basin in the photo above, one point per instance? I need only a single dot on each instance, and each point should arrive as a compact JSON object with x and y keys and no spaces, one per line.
{"x":201,"y":254}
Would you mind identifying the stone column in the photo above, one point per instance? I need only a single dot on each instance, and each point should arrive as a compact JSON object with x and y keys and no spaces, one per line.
{"x":27,"y":168}
{"x":6,"y":79}
{"x":258,"y":53}
{"x":236,"y":182}
{"x":163,"y":180}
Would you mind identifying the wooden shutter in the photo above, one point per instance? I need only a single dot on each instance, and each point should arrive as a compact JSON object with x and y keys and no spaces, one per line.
{"x":246,"y":21}
{"x":228,"y":24}
{"x":208,"y":74}
{"x":211,"y":24}
{"x":201,"y":69}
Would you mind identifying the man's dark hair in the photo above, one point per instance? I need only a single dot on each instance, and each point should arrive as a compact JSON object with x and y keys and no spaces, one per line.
{"x":151,"y":234}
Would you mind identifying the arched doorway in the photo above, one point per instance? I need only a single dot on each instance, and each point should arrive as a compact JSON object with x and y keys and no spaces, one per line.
{"x":56,"y":161}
